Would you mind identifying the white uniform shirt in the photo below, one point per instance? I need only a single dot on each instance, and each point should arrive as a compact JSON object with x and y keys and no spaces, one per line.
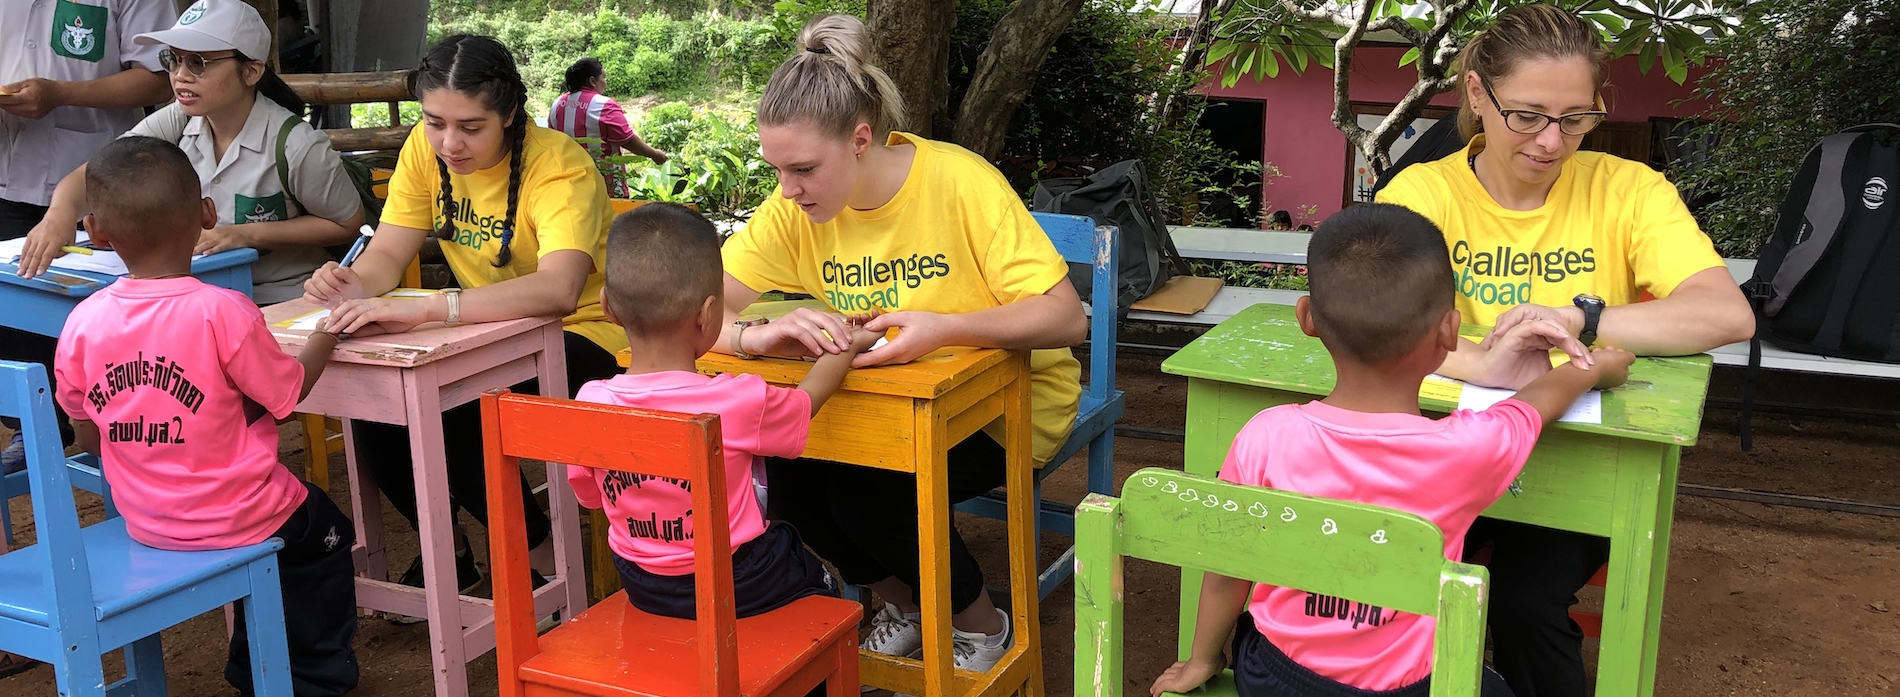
{"x":245,"y":187}
{"x":68,"y":40}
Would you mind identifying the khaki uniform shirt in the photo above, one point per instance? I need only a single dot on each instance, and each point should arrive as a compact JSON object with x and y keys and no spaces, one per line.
{"x":68,"y":40}
{"x":245,"y":187}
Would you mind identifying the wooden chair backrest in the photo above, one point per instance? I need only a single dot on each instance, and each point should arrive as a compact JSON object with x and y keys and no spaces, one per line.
{"x":1080,"y":241}
{"x":26,"y":395}
{"x":622,"y":439}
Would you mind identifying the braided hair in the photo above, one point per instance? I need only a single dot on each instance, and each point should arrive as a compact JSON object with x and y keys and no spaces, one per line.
{"x":480,"y":68}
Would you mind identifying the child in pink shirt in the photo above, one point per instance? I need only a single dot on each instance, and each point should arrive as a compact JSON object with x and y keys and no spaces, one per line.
{"x":1381,"y":302}
{"x":664,"y":285}
{"x":177,"y":386}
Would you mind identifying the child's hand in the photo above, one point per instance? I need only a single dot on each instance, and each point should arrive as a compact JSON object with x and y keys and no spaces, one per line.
{"x":1612,"y":366}
{"x":1184,"y":676}
{"x":862,"y":339}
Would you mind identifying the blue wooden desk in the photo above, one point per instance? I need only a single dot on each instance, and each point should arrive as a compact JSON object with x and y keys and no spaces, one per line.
{"x":40,"y":304}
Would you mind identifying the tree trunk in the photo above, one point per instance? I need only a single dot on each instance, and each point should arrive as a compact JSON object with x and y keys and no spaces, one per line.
{"x":1007,"y":69}
{"x":910,"y":40}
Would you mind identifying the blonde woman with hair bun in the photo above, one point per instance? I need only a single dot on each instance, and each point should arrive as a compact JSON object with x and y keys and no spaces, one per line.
{"x":930,"y":238}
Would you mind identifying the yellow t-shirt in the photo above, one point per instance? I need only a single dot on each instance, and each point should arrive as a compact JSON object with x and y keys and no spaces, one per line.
{"x":562,"y":205}
{"x":1610,"y":227}
{"x":954,"y":239}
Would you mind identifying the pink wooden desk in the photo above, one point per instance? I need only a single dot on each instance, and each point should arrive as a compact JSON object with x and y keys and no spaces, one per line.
{"x":411,"y":379}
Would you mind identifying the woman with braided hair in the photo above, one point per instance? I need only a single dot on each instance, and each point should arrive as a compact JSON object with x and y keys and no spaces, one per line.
{"x":522,"y":216}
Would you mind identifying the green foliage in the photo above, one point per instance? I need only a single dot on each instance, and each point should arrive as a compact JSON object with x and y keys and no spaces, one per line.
{"x":1093,"y":105}
{"x":644,"y":53}
{"x":713,"y":161}
{"x":1257,"y":36}
{"x":1247,"y":274}
{"x":1796,"y":71}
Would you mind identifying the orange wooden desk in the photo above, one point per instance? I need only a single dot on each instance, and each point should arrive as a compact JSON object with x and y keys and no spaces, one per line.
{"x":905,"y":418}
{"x":411,"y":379}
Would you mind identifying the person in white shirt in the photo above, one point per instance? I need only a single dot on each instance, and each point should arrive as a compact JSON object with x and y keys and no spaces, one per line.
{"x":231,"y":137}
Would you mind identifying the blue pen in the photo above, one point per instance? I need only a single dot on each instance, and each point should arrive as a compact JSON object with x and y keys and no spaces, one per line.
{"x":356,"y":250}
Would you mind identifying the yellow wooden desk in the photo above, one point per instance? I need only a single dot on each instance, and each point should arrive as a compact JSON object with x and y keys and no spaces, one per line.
{"x":905,"y":418}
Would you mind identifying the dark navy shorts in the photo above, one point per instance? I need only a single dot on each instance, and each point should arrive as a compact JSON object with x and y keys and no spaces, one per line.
{"x":1262,"y":670}
{"x":768,"y":573}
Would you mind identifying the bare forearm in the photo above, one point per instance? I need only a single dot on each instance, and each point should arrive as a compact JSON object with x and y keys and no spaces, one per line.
{"x":825,"y":376}
{"x":1676,"y":325}
{"x":1463,"y":363}
{"x":1221,"y":601}
{"x":123,"y":90}
{"x":533,"y":295}
{"x":1552,"y":394}
{"x":301,"y":231}
{"x":1039,"y":322}
{"x":86,"y":436}
{"x":314,"y":357}
{"x":69,"y":197}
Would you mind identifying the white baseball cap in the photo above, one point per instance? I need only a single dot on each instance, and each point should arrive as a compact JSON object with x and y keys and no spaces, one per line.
{"x":215,"y":25}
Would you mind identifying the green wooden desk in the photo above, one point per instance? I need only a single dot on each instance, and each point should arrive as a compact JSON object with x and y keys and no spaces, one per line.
{"x":1617,"y":479}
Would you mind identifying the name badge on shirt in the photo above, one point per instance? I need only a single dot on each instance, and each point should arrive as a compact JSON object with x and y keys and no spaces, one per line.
{"x":260,"y":210}
{"x":79,"y":31}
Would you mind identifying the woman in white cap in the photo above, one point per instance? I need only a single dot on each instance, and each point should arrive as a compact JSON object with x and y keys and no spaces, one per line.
{"x":215,"y":58}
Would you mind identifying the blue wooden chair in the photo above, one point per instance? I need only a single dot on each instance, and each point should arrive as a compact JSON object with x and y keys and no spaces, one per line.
{"x":79,"y":593}
{"x":1079,"y":241}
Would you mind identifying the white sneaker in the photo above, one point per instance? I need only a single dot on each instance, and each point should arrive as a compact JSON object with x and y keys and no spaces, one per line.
{"x":892,"y":633}
{"x":978,"y":652}
{"x":974,"y":651}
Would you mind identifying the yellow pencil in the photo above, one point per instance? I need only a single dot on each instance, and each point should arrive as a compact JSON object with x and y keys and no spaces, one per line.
{"x":76,"y":250}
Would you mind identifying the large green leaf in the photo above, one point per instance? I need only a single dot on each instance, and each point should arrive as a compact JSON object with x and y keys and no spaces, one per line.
{"x":1410,"y":55}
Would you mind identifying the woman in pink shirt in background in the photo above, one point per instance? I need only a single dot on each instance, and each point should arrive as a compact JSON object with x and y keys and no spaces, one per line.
{"x":583,"y":112}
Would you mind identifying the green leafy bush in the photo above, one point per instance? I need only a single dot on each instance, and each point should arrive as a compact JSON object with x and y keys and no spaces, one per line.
{"x":1800,"y":70}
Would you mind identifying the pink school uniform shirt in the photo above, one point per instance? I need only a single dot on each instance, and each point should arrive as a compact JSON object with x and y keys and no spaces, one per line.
{"x":185,"y":385}
{"x":653,"y":516}
{"x":1446,"y":470}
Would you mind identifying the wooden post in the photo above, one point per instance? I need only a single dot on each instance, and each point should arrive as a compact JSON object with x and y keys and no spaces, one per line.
{"x":351,"y":88}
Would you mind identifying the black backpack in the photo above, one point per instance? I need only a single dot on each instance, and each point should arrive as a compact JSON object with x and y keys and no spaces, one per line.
{"x":1118,"y":195}
{"x":1826,"y":280}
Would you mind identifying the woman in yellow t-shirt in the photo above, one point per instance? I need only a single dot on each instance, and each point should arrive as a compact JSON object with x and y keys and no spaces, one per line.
{"x":931,"y":237}
{"x":1556,"y":247}
{"x":522,"y":216}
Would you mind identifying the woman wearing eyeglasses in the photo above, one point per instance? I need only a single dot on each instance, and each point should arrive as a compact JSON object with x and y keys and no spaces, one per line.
{"x":213,"y":56}
{"x":1562,"y":244}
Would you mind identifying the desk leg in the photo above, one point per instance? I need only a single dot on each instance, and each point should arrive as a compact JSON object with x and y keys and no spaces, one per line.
{"x":436,"y":517}
{"x":366,"y":507}
{"x":1024,"y":507}
{"x":933,"y":544}
{"x":563,"y":508}
{"x":1639,"y":555}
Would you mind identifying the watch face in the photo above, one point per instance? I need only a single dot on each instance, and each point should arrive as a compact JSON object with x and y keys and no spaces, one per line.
{"x":1588,"y":299}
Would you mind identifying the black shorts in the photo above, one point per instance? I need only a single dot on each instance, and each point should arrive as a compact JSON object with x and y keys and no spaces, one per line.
{"x":768,"y":573}
{"x":1262,"y":670}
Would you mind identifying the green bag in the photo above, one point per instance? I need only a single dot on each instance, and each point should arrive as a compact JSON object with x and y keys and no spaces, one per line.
{"x":360,"y":168}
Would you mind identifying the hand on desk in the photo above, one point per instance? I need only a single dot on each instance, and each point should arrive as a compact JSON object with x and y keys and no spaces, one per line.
{"x":800,"y":333}
{"x":919,"y":333}
{"x":380,"y":315}
{"x":43,"y":243}
{"x":1520,"y":354}
{"x":223,"y":238}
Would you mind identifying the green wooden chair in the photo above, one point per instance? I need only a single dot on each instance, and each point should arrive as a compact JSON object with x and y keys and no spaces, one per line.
{"x":1354,"y":551}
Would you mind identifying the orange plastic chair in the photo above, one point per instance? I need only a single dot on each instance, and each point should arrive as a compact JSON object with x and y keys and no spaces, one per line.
{"x":613,"y":648}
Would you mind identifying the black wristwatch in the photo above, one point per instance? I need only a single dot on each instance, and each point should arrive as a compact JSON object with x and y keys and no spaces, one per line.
{"x":1592,"y":307}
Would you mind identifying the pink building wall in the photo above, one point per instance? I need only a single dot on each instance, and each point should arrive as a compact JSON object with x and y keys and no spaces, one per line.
{"x":1312,"y":156}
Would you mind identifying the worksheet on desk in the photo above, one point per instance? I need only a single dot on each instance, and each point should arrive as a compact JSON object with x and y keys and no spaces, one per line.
{"x":1588,"y":409}
{"x":99,"y":261}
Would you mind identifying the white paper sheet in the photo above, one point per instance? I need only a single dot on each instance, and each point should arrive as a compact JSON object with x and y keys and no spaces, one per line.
{"x":1587,"y":410}
{"x":99,"y":261}
{"x":310,"y":322}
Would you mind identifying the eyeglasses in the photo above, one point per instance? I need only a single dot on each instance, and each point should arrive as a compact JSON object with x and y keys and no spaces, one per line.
{"x":194,"y":62}
{"x":1531,"y":123}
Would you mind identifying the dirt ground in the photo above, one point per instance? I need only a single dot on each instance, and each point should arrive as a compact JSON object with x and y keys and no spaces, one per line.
{"x":1760,"y":600}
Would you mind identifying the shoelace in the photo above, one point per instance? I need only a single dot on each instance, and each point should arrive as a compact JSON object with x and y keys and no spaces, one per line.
{"x":962,"y":649}
{"x":885,"y":626}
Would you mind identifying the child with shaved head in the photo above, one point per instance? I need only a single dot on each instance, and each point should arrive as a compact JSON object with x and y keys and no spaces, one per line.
{"x":177,"y":386}
{"x":664,"y":285}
